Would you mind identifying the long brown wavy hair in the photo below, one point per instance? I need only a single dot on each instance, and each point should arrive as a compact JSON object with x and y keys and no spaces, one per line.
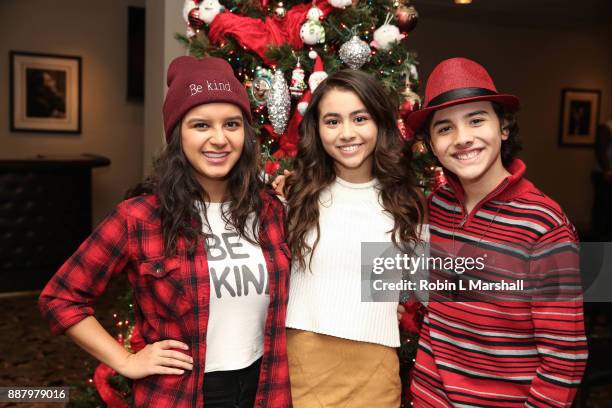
{"x":177,"y":189}
{"x":314,"y":168}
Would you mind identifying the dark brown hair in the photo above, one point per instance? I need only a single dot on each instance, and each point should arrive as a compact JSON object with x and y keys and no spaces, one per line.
{"x":175,"y":185}
{"x":509,"y":147}
{"x":314,"y":168}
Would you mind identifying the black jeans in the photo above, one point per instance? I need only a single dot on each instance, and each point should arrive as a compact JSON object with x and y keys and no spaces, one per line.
{"x":232,"y":389}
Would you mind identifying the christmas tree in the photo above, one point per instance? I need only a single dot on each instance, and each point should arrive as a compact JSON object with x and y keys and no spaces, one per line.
{"x":281,"y":52}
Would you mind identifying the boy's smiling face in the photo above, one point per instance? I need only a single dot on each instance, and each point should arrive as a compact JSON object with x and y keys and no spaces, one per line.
{"x":467,"y":140}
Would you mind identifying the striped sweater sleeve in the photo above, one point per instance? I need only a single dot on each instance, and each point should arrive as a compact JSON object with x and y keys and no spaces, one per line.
{"x":558,"y":324}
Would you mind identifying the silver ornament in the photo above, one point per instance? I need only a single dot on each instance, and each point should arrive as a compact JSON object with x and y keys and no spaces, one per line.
{"x":279,"y":103}
{"x":355,"y":53}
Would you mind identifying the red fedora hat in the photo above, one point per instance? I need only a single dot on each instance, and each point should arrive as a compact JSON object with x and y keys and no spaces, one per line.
{"x":455,"y":81}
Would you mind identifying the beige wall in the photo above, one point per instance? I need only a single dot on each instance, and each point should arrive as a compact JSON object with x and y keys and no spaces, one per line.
{"x":163,"y":21}
{"x":535,"y":64}
{"x":111,"y":126}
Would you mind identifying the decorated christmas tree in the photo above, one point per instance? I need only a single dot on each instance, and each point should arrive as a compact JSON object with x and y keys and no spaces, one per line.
{"x":281,"y":51}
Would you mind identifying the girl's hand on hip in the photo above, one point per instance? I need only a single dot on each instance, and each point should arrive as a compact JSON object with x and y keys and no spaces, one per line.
{"x":157,"y":358}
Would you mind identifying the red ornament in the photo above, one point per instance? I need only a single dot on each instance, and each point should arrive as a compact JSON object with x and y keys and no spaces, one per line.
{"x":406,"y":18}
{"x":109,"y":395}
{"x":406,"y":132}
{"x":272,"y":167}
{"x":194,"y":19}
{"x":439,"y":178}
{"x":407,"y":107}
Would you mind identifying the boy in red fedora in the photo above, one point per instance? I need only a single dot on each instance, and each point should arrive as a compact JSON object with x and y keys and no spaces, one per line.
{"x":508,"y":351}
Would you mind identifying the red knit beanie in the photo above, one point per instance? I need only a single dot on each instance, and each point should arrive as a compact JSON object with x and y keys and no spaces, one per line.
{"x":193,"y":82}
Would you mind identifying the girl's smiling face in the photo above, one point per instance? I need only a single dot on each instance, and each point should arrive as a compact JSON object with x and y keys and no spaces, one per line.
{"x":212,"y":136}
{"x":467,"y":140}
{"x":348,"y":134}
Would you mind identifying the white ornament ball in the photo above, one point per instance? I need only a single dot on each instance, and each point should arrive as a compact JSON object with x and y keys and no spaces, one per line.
{"x":209,"y":10}
{"x":385,"y":36}
{"x":314,"y":14}
{"x":301,"y":107}
{"x":312,"y":54}
{"x":340,"y":3}
{"x":312,"y":32}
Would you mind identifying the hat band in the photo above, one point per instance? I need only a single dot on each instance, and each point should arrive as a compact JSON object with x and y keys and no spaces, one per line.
{"x":459,"y":93}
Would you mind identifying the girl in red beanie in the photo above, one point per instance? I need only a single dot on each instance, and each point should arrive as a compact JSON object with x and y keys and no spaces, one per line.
{"x":203,"y":246}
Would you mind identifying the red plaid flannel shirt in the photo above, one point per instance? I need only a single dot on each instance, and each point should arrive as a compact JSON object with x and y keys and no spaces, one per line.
{"x":171,"y":297}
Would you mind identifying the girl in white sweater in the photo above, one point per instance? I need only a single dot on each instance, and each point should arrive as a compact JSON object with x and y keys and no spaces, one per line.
{"x":352,"y":183}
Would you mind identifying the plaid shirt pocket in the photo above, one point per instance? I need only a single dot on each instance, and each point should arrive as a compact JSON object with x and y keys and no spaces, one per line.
{"x":161,"y":286}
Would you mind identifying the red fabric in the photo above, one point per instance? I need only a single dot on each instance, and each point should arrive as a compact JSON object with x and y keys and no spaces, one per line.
{"x":109,"y":395}
{"x":272,"y":167}
{"x":256,"y":35}
{"x":193,"y":82}
{"x":288,"y":141}
{"x":171,"y":297}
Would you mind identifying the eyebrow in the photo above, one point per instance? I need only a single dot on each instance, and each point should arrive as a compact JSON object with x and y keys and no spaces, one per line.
{"x":205,"y":119}
{"x":357,"y":112}
{"x":440,"y":122}
{"x":469,"y":115}
{"x":480,"y":112}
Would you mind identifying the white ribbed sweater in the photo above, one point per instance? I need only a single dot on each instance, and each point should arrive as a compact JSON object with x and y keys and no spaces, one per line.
{"x":328,"y":299}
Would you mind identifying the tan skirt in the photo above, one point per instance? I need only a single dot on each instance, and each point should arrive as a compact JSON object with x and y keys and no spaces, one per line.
{"x":330,"y":372}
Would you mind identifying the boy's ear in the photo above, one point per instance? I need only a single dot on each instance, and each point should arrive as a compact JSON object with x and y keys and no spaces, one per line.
{"x":427,"y":142}
{"x":505,"y":129}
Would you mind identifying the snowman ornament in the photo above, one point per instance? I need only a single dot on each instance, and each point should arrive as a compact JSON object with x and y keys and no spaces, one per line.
{"x":312,"y":31}
{"x":386,"y":35}
{"x":209,"y":10}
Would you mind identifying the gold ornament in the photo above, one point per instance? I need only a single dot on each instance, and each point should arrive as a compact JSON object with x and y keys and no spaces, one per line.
{"x":419,"y":147}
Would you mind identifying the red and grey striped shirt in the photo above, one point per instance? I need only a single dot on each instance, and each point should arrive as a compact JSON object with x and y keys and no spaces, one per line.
{"x":500,"y":352}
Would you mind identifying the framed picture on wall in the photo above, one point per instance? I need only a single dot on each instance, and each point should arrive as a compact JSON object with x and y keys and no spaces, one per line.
{"x":579,"y":116}
{"x":45,"y":92}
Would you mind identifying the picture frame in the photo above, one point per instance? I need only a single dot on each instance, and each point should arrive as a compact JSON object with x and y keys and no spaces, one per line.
{"x":45,"y":93}
{"x":579,"y":117}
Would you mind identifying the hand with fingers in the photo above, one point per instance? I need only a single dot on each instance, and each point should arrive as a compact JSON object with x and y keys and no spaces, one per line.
{"x":161,"y":357}
{"x":279,"y":183}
